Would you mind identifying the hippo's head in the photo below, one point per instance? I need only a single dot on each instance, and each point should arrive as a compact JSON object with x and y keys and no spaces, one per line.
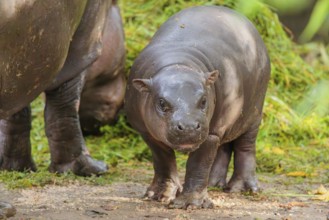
{"x":178,"y":107}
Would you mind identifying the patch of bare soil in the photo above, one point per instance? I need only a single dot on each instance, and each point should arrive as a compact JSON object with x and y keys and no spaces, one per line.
{"x":124,"y":200}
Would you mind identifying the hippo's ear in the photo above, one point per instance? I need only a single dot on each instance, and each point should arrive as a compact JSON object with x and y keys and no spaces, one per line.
{"x":211,"y":77}
{"x":142,"y":85}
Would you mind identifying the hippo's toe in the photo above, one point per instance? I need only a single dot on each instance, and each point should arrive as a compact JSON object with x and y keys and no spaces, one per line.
{"x":87,"y":166}
{"x":163,"y":192}
{"x":84,"y":165}
{"x":6,"y":210}
{"x":17,"y":164}
{"x":192,"y":201}
{"x":237,"y":184}
{"x":220,"y":182}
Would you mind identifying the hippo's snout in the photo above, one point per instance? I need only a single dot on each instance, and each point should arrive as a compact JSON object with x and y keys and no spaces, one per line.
{"x":182,"y":128}
{"x":186,"y":136}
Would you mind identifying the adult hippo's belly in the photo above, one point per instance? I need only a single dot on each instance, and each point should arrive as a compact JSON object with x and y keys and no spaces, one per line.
{"x":47,"y":45}
{"x":34,"y":41}
{"x":199,"y":87}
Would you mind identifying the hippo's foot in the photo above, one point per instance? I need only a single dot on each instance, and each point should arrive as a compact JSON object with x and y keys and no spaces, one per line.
{"x":192,"y":200}
{"x":217,"y":182}
{"x":83,"y":165}
{"x":239,"y":184}
{"x":17,"y":164}
{"x":163,"y":191}
{"x":6,"y":210}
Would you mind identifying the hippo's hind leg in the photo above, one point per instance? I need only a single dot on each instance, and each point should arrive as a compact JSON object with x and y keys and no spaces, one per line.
{"x":244,"y":174}
{"x":15,"y":145}
{"x":67,"y":146}
{"x":165,"y":183}
{"x":219,"y":168}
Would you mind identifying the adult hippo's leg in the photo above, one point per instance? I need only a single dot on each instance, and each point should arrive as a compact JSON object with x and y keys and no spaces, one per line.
{"x":244,"y":174}
{"x":165,"y":183}
{"x":67,"y":146}
{"x":198,"y":167}
{"x":15,"y":145}
{"x":219,"y":169}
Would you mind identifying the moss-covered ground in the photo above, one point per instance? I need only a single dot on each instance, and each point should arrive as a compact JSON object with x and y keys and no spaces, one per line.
{"x":293,"y":138}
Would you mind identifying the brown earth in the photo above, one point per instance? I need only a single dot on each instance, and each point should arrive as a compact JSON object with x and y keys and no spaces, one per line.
{"x":124,"y":200}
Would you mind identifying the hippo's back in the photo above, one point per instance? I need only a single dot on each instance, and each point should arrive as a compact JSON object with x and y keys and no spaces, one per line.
{"x":203,"y":37}
{"x":202,"y":23}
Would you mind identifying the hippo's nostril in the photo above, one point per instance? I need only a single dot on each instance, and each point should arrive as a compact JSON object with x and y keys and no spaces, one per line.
{"x":198,"y":126}
{"x":180,"y":127}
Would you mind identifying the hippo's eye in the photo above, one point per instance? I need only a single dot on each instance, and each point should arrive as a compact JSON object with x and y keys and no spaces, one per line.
{"x":163,"y":105}
{"x":203,"y":103}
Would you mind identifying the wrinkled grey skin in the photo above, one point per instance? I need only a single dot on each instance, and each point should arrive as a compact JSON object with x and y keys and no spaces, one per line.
{"x":47,"y":46}
{"x":199,"y":87}
{"x":105,"y":84}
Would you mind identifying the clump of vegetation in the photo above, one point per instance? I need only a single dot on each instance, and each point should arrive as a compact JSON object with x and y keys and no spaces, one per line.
{"x":288,"y":140}
{"x":291,"y":141}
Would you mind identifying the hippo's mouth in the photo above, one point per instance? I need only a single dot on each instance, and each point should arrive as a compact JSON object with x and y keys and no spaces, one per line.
{"x":186,"y":143}
{"x":186,"y":148}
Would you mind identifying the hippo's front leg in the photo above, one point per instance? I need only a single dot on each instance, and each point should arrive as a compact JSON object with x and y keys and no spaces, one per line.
{"x":198,"y":167}
{"x":165,"y":183}
{"x":67,"y":146}
{"x":15,"y":145}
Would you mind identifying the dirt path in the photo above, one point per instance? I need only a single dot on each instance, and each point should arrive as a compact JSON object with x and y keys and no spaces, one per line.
{"x":124,"y":201}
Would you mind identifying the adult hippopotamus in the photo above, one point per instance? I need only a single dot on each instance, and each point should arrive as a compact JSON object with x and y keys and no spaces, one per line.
{"x":105,"y":82}
{"x":199,"y":87}
{"x":46,"y":46}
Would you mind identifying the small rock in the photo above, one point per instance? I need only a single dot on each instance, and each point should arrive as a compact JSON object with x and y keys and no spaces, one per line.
{"x":6,"y":210}
{"x":43,"y":207}
{"x":109,"y":207}
{"x":94,"y":213}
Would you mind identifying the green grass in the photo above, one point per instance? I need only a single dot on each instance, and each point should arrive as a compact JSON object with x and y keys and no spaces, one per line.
{"x":294,"y":133}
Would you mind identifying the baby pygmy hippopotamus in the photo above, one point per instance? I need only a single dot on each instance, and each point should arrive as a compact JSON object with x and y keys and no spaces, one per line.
{"x":199,"y":87}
